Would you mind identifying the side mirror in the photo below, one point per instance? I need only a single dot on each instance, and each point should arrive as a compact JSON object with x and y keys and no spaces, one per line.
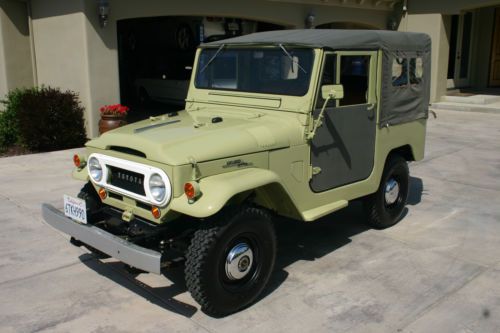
{"x":332,"y":91}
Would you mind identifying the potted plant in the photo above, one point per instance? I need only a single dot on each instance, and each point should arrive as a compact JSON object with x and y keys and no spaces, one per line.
{"x":112,"y":116}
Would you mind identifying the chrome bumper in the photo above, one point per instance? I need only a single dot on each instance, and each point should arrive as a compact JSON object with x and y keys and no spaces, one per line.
{"x":127,"y":252}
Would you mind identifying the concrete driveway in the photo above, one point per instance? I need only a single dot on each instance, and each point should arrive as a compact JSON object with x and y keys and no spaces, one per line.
{"x":438,"y":270}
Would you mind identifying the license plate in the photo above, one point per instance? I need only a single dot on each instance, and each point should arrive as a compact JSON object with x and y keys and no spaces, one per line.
{"x":75,"y":209}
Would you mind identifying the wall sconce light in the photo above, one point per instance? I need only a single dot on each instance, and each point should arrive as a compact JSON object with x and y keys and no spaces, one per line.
{"x":103,"y":8}
{"x":310,"y":20}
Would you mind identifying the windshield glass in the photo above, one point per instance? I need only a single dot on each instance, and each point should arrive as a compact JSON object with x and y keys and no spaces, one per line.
{"x":257,"y":70}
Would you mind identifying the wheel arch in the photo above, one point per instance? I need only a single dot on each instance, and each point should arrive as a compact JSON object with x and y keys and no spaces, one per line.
{"x":405,"y":151}
{"x":257,"y":186}
{"x":274,"y":197}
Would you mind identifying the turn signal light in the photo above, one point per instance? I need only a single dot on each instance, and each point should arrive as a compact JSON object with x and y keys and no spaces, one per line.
{"x":156,"y":212}
{"x":189,"y":190}
{"x":78,"y":161}
{"x":192,"y":190}
{"x":102,"y":193}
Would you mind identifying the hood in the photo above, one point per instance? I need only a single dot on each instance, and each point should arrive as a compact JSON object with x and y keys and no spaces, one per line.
{"x":202,"y":135}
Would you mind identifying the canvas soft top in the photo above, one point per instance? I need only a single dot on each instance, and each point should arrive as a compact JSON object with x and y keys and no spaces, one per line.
{"x":336,"y":39}
{"x":399,"y":103}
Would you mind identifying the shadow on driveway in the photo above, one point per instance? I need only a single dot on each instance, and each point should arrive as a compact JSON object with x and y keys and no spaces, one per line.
{"x":297,"y":241}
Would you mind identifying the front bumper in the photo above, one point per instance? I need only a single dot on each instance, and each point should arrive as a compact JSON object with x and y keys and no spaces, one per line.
{"x":127,"y":252}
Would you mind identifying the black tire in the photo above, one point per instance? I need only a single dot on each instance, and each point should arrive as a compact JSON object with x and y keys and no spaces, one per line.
{"x":381,"y":211}
{"x":217,"y":291}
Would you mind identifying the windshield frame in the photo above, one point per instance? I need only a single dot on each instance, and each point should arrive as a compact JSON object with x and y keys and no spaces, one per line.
{"x":221,"y":49}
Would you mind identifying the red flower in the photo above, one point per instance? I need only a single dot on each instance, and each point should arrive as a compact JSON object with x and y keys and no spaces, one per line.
{"x":115,"y":109}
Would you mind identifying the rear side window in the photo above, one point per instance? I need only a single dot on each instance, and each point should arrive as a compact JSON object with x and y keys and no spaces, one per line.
{"x":407,"y":71}
{"x":416,"y":70}
{"x":399,"y":72}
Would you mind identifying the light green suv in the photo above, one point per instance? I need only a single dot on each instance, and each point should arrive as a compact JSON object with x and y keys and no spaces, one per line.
{"x":294,"y":123}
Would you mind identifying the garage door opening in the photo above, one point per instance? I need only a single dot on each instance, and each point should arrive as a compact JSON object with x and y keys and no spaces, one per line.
{"x":156,"y":57}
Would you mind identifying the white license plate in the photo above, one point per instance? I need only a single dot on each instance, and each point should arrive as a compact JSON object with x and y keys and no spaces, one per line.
{"x":75,"y":209}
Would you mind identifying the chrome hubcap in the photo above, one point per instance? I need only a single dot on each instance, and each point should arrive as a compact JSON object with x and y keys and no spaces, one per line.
{"x":239,"y":261}
{"x":391,"y":191}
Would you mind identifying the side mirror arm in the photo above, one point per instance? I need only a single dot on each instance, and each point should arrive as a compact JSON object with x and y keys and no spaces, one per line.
{"x":317,"y":122}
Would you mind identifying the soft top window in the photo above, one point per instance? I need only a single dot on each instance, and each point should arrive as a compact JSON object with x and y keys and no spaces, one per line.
{"x":407,"y":71}
{"x":283,"y":71}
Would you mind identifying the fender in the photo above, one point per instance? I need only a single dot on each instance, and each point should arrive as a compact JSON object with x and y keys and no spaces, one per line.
{"x":217,"y":190}
{"x":80,"y":174}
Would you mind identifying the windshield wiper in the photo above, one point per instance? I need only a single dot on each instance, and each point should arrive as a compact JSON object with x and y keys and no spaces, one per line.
{"x":213,"y":57}
{"x":291,"y":58}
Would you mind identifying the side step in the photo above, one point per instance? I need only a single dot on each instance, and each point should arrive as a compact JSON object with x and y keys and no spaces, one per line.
{"x":316,"y":213}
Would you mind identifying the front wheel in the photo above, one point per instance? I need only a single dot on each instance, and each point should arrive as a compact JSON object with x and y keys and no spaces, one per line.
{"x":385,"y":207}
{"x":228,"y":264}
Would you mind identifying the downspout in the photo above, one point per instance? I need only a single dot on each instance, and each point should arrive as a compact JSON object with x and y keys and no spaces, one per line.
{"x":32,"y":44}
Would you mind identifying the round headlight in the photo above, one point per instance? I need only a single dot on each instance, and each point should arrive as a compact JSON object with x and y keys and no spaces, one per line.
{"x":95,"y":169}
{"x":157,"y":187}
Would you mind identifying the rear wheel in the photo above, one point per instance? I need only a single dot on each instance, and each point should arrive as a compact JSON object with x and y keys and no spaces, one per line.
{"x":228,"y":264}
{"x":385,"y":207}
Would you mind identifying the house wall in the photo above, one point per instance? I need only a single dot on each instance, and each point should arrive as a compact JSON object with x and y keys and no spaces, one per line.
{"x":434,"y":26}
{"x":447,"y":7}
{"x":59,"y":32}
{"x":15,"y":55}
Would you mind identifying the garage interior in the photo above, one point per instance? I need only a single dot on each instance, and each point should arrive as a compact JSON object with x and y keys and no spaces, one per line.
{"x":156,"y":57}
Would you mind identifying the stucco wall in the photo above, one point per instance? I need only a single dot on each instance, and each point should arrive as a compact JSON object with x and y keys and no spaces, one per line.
{"x":433,"y":25}
{"x":15,"y":55}
{"x":3,"y":70}
{"x":447,"y":7}
{"x":60,"y":39}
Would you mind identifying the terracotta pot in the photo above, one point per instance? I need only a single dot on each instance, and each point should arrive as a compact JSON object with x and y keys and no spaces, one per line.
{"x":110,"y":121}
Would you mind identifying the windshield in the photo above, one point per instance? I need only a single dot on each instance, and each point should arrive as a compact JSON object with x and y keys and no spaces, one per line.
{"x":257,"y":70}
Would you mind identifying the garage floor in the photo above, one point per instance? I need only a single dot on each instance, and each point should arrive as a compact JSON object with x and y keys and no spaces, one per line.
{"x":438,"y":270}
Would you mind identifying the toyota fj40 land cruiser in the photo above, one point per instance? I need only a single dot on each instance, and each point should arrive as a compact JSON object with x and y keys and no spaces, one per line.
{"x":295,"y":123}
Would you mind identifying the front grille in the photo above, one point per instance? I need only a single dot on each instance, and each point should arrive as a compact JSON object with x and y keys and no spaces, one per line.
{"x":127,"y":180}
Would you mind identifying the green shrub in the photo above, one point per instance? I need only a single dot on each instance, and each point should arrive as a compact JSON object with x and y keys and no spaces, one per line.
{"x":9,"y":128}
{"x":50,"y":119}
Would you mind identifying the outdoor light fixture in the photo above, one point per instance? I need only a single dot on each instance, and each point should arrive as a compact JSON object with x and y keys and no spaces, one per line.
{"x":310,"y":20}
{"x":103,"y":12}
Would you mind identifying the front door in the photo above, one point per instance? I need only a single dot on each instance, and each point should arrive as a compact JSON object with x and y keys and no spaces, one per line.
{"x":342,"y":150}
{"x":460,"y":50}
